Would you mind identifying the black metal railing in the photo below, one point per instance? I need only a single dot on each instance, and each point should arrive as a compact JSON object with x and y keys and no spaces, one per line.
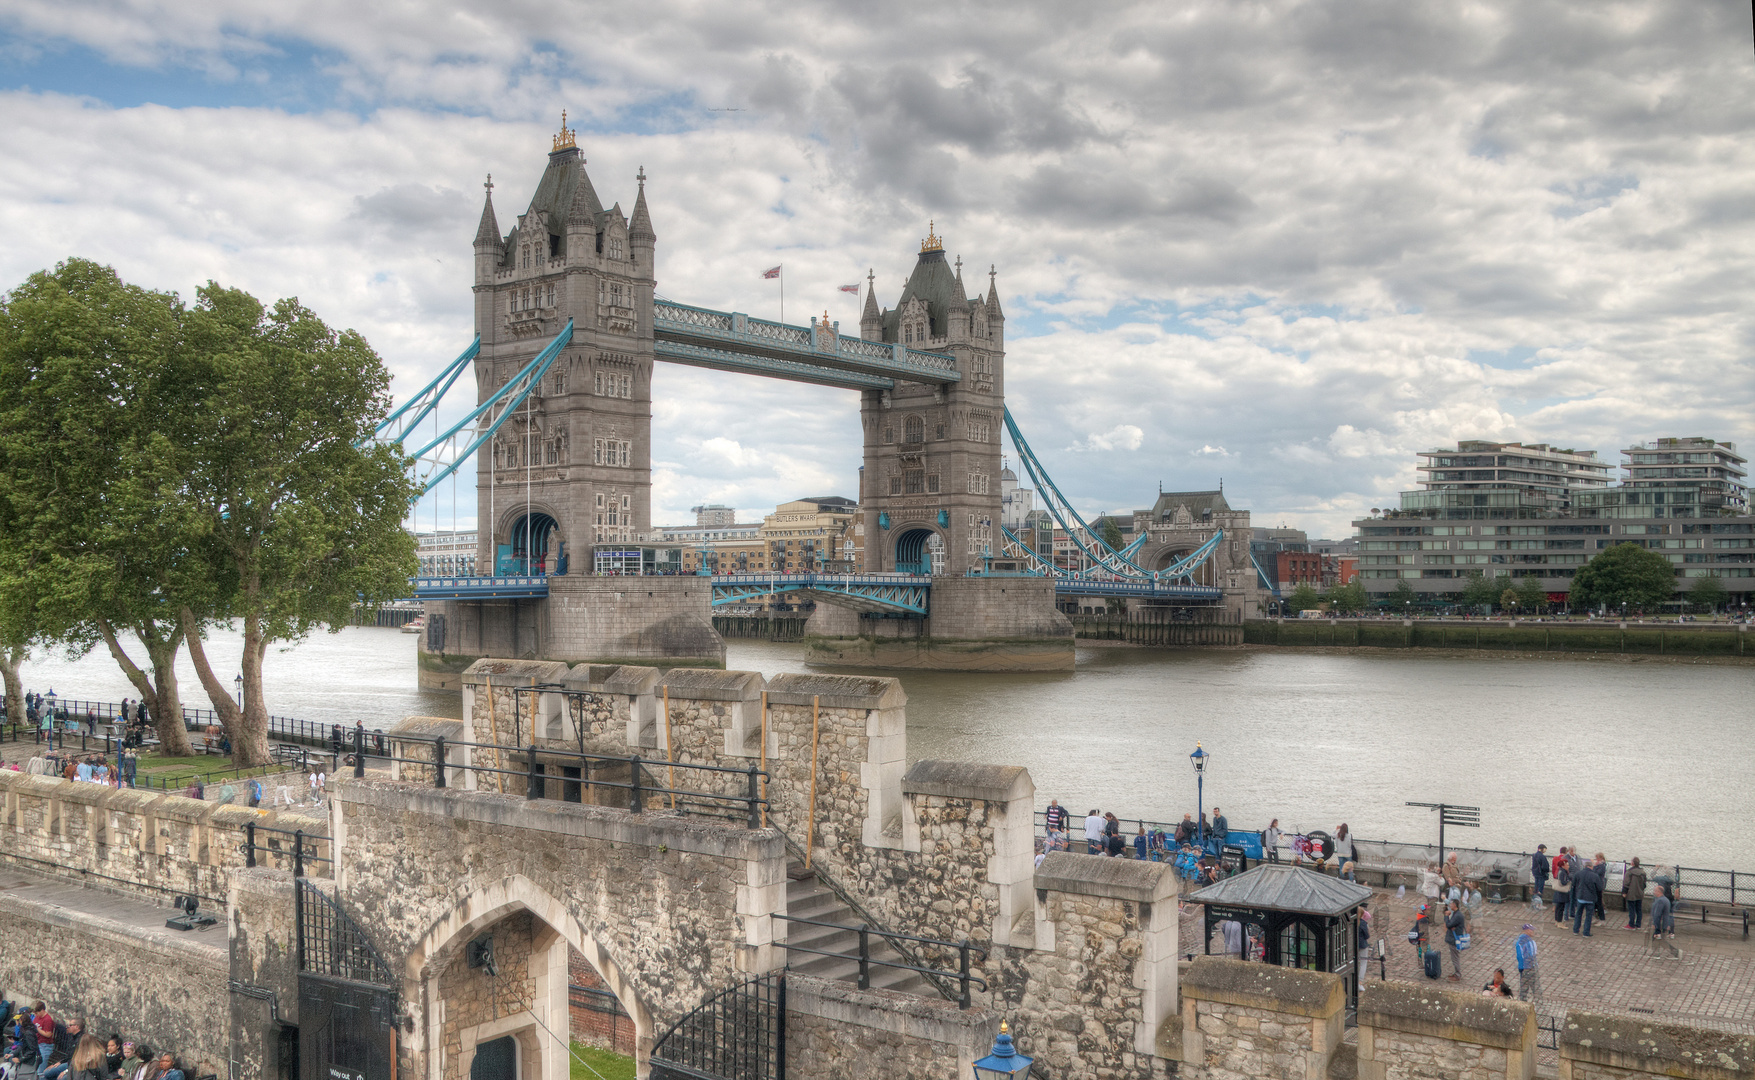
{"x":862,"y":954}
{"x":738,"y":1033}
{"x":332,"y":944}
{"x":303,"y":850}
{"x":592,"y":772}
{"x":72,"y":714}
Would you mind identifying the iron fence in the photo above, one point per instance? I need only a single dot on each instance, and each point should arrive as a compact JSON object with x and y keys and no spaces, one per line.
{"x":72,"y":714}
{"x":738,"y":1033}
{"x":740,"y":792}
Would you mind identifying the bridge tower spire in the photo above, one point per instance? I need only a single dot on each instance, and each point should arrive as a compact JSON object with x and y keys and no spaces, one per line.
{"x":488,"y":239}
{"x":871,"y":320}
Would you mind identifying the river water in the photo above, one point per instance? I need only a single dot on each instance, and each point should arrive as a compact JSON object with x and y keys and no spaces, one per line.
{"x":1632,"y":758}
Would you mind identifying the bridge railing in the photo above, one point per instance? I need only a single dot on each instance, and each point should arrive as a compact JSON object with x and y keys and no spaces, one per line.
{"x":738,"y":794}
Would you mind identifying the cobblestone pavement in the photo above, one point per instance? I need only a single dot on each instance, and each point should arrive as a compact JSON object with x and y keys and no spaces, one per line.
{"x":1711,"y":984}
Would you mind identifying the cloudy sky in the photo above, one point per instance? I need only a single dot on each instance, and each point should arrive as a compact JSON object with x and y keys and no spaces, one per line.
{"x":1287,"y":244}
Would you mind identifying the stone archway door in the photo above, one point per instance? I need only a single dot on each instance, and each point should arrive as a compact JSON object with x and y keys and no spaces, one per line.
{"x":496,"y":1060}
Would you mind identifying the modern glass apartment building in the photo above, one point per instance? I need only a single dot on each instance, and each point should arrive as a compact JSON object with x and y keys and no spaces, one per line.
{"x":1495,"y":520}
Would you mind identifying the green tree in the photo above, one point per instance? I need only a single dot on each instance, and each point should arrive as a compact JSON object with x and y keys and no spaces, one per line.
{"x":1348,"y":598}
{"x":1478,"y":591}
{"x":1401,"y":598}
{"x":90,"y":544}
{"x":1303,"y":598}
{"x":1625,"y":574}
{"x":1532,"y":598}
{"x":1111,"y":533}
{"x":300,"y":513}
{"x":1508,"y":600}
{"x":1707,"y":594}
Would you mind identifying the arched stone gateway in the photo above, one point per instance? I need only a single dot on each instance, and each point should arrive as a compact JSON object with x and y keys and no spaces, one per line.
{"x":527,"y":932}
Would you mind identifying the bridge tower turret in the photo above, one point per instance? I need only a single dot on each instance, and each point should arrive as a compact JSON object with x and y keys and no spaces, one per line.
{"x":931,"y":501}
{"x":573,"y":467}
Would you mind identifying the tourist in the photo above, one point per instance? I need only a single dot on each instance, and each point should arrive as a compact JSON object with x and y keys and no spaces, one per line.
{"x":1056,"y":816}
{"x":66,"y":1040}
{"x":1562,"y":886}
{"x":1633,"y":894}
{"x":1185,"y":831}
{"x":1497,"y":988}
{"x":1221,"y":827}
{"x":116,"y":1051}
{"x":1112,"y":843}
{"x":1094,"y":833}
{"x":1453,"y":878}
{"x":1587,"y":889}
{"x":1232,"y":931}
{"x":1345,"y":850}
{"x":88,"y":1061}
{"x":1600,"y":866}
{"x":1529,"y":980}
{"x":167,"y":1067}
{"x":45,"y":1026}
{"x":1421,"y":934}
{"x":1141,"y":844}
{"x":1663,"y":919}
{"x":1431,"y":885}
{"x":1347,"y":872}
{"x":142,"y":1065}
{"x":1270,"y":841}
{"x":1538,"y":873}
{"x":1454,"y":928}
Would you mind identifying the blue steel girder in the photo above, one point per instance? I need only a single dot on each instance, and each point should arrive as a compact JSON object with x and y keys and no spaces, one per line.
{"x":681,"y":352}
{"x":904,"y":593}
{"x":479,"y":588}
{"x":731,"y":331}
{"x":1145,"y":590}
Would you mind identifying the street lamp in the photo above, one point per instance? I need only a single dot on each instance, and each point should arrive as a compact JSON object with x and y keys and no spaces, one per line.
{"x":238,"y":685}
{"x":1199,"y":760}
{"x":50,"y":700}
{"x":1005,"y":1063}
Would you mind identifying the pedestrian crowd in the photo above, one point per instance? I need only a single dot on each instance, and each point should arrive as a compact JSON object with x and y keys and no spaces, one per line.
{"x":55,"y":1050}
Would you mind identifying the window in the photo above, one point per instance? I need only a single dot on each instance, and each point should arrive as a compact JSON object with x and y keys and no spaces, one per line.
{"x":895,"y":485}
{"x":526,"y":250}
{"x":908,"y":335}
{"x":602,"y":296}
{"x":511,"y":455}
{"x":551,"y":296}
{"x":617,"y":453}
{"x":932,"y":483}
{"x":977,"y":483}
{"x":938,"y":430}
{"x":558,"y":383}
{"x":615,"y":249}
{"x":600,"y":505}
{"x":627,"y":386}
{"x":913,"y":482}
{"x":554,"y":452}
{"x":979,"y":430}
{"x":889,"y":434}
{"x":913,"y":429}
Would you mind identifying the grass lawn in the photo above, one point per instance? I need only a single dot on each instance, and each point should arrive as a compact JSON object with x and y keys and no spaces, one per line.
{"x":201,"y":764}
{"x":609,"y":1066}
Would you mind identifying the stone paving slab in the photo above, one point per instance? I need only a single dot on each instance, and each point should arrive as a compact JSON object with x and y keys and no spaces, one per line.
{"x":127,"y":910}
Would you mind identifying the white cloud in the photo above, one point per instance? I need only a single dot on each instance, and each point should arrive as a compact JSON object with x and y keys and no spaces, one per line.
{"x":1287,"y":231}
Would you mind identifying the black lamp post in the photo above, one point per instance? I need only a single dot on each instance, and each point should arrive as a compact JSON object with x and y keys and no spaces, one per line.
{"x":238,"y":684}
{"x":1199,"y":760}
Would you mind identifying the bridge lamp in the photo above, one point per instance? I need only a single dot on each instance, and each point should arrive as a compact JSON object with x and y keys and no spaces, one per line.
{"x":1005,"y":1063}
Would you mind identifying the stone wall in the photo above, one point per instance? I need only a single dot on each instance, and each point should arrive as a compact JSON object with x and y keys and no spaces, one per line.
{"x":664,"y":907}
{"x":1409,"y":1030}
{"x":834,"y":1029}
{"x":140,"y":841}
{"x":1243,"y":1020}
{"x":1594,"y":1046}
{"x":976,"y":624}
{"x":1090,"y":998}
{"x":262,"y":935}
{"x":160,"y":985}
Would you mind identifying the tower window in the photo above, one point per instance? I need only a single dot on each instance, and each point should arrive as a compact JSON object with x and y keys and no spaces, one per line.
{"x":913,"y":429}
{"x":895,"y":485}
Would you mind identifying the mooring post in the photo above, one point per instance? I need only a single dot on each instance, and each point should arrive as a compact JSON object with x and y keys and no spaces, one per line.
{"x":439,"y":761}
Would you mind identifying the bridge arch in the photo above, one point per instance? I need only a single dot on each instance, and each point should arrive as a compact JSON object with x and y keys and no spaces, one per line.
{"x":515,"y":521}
{"x":1160,"y":556}
{"x":429,"y":975}
{"x":914,"y":547}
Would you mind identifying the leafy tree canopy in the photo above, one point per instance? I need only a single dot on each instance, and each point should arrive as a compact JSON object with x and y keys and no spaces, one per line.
{"x":1625,"y":574}
{"x":1303,"y":598}
{"x":1708,"y":593}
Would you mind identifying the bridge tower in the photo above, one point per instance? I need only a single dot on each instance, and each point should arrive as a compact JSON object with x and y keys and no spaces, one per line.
{"x":572,"y":467}
{"x":932,"y":452}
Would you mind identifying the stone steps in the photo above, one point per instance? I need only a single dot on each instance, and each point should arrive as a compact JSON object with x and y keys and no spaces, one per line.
{"x":808,"y":898}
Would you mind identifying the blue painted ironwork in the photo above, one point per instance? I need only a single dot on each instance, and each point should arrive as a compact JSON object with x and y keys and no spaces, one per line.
{"x":479,"y":588}
{"x":1148,"y":590}
{"x":1265,"y":583}
{"x":426,"y":400}
{"x":1061,"y":509}
{"x":681,"y":352}
{"x":905,"y":593}
{"x":736,"y":332}
{"x":442,"y":454}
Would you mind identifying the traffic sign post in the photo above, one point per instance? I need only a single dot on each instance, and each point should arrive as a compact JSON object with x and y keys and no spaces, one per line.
{"x":1448,"y":814}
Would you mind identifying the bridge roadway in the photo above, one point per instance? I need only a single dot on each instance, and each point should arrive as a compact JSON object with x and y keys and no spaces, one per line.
{"x":900,"y":594}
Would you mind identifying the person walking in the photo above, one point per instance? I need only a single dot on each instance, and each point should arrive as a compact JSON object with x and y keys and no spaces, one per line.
{"x":1529,"y":979}
{"x":1453,"y":930}
{"x":1587,"y":889}
{"x":1633,"y":894}
{"x":1539,"y":873}
{"x":1270,"y":841}
{"x":1093,"y":833}
{"x":1663,"y":919}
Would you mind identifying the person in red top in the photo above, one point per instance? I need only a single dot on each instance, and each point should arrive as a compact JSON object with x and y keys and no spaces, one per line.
{"x":45,"y":1025}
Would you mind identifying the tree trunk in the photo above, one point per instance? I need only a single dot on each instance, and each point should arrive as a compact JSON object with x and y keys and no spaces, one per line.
{"x":173,"y":739}
{"x":167,"y":715}
{"x":250,"y":744}
{"x":10,"y":658}
{"x":217,"y":692}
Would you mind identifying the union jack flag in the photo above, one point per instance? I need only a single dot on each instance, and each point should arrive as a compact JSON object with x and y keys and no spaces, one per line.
{"x":775,"y":272}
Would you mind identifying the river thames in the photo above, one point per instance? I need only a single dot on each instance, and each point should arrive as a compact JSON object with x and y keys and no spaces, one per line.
{"x":1641,"y":758}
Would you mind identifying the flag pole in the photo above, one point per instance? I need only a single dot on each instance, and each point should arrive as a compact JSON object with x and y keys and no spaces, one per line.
{"x":782,"y":292}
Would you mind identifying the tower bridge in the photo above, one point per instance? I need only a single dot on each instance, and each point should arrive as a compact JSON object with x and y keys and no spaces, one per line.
{"x":568,"y":330}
